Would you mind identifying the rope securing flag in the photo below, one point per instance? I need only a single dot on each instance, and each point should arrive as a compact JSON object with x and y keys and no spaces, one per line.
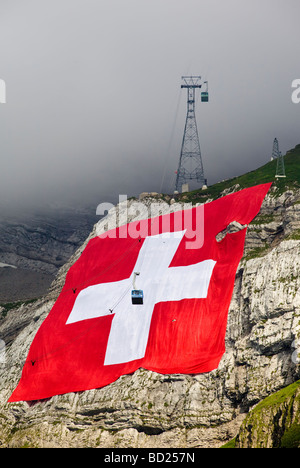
{"x":94,"y":334}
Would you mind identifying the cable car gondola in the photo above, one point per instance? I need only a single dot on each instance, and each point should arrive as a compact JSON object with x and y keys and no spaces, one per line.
{"x":204,"y":94}
{"x":137,"y":295}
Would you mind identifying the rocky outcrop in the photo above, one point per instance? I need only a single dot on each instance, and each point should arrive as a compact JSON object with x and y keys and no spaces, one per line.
{"x":151,"y":410}
{"x":274,"y":423}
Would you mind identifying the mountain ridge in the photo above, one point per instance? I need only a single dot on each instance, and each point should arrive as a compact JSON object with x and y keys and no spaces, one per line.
{"x":152,"y":410}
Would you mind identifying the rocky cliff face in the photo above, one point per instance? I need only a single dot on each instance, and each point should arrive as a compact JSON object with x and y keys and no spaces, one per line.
{"x":151,"y":410}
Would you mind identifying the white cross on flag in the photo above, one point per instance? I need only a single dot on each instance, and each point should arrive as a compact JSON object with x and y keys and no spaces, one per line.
{"x":94,"y":334}
{"x":131,"y":323}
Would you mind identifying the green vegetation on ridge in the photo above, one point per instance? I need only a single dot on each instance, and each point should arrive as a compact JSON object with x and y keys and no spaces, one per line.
{"x":283,"y":407}
{"x":261,"y":175}
{"x":13,"y":305}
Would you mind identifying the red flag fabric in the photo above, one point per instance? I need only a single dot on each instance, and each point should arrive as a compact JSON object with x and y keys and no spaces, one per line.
{"x":94,"y":334}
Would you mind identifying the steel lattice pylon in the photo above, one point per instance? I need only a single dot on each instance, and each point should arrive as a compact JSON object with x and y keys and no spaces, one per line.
{"x":276,"y":154}
{"x":190,"y":162}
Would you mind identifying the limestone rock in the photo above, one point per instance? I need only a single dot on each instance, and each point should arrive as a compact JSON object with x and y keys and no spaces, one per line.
{"x":151,"y":410}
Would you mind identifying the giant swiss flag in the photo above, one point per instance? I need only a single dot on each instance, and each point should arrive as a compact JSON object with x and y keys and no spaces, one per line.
{"x":93,"y":334}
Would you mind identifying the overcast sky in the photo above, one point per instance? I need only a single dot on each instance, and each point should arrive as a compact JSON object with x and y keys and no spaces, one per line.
{"x":94,"y":106}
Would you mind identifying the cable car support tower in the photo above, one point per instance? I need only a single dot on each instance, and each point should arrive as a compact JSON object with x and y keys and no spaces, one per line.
{"x":190,"y":162}
{"x":276,"y":154}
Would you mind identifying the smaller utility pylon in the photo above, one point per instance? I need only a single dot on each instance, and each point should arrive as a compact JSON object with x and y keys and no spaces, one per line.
{"x":280,"y":171}
{"x":276,"y":154}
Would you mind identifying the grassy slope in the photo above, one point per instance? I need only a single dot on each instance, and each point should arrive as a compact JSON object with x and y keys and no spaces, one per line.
{"x":283,"y":407}
{"x":261,"y":175}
